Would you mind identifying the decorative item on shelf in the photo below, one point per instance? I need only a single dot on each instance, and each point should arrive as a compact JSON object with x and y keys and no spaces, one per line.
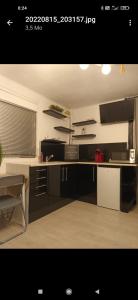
{"x":67,"y":113}
{"x":56,"y":107}
{"x":1,"y":154}
{"x":83,"y":131}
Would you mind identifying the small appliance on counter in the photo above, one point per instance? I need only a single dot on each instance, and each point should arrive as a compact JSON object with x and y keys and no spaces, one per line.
{"x":132,"y":155}
{"x":99,"y":156}
{"x":52,"y":148}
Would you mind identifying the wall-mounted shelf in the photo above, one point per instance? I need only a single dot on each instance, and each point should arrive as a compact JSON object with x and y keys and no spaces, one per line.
{"x":64,"y":129}
{"x":54,"y":113}
{"x":81,"y":123}
{"x":53,"y":141}
{"x":84,"y":136}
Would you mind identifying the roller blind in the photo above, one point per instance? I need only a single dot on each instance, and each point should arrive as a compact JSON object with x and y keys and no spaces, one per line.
{"x":17,"y":130}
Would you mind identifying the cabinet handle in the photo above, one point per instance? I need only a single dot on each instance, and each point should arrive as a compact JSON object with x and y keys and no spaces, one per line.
{"x":40,"y":194}
{"x":66,"y":174}
{"x":39,"y":178}
{"x":39,"y":186}
{"x":62,"y":174}
{"x":40,"y":170}
{"x":93,"y":175}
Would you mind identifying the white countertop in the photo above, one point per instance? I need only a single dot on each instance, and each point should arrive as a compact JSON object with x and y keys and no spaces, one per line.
{"x":110,"y":164}
{"x":55,"y":163}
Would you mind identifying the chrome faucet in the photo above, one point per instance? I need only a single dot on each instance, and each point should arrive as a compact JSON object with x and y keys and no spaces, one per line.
{"x":49,"y":157}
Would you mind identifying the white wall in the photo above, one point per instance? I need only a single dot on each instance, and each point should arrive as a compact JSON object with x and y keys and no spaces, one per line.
{"x":16,"y":93}
{"x":104,"y":133}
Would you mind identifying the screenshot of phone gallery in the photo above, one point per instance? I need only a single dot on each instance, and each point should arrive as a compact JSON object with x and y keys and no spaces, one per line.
{"x":27,"y":16}
{"x":30,"y":18}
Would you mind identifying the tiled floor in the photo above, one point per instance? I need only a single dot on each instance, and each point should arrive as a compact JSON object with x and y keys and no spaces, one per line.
{"x":81,"y":225}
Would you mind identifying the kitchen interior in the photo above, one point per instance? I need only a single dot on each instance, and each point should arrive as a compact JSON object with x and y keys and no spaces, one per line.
{"x":68,"y":156}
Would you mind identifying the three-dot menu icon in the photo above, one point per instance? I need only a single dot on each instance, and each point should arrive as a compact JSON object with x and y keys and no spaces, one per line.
{"x":130,"y":22}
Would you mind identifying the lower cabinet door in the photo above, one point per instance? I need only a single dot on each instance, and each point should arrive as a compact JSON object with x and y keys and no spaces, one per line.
{"x":68,"y":181}
{"x":87,"y":183}
{"x":128,"y":188}
{"x":38,"y":201}
{"x":64,"y":189}
{"x":38,"y":206}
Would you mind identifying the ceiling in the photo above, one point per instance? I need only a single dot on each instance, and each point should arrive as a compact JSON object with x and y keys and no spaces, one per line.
{"x":72,"y":87}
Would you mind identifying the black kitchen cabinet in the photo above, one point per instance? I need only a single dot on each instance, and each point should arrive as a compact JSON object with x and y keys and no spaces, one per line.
{"x":87,"y":183}
{"x":68,"y":181}
{"x":38,"y":192}
{"x":48,"y":190}
{"x":52,"y":148}
{"x":62,"y":181}
{"x":54,"y":186}
{"x":128,"y":188}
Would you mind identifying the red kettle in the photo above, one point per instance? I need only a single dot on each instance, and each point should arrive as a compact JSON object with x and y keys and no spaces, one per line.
{"x":99,"y":156}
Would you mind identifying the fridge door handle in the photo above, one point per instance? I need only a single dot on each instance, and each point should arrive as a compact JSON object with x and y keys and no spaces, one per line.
{"x":62,"y":174}
{"x":93,"y":174}
{"x":66,"y":173}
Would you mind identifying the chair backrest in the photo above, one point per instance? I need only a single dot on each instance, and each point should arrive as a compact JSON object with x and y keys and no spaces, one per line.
{"x":11,"y":180}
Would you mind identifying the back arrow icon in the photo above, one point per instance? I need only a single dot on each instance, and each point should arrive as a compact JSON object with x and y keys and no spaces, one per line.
{"x":97,"y":292}
{"x":9,"y":22}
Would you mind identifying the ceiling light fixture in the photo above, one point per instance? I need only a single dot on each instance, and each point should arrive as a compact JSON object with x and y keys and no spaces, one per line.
{"x":122,"y":69}
{"x":84,"y":67}
{"x":106,"y":69}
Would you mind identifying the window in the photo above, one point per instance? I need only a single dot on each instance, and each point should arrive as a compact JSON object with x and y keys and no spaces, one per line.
{"x":17,"y":130}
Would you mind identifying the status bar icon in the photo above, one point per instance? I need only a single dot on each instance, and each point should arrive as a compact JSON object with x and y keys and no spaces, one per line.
{"x":115,"y":7}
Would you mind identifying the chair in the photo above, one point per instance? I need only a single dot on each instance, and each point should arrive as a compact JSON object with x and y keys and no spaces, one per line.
{"x":9,"y":203}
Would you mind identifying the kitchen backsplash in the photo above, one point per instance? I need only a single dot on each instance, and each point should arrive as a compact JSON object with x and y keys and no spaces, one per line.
{"x":111,"y":150}
{"x":114,"y":151}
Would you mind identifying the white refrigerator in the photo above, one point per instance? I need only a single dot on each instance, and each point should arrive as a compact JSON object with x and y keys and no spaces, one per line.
{"x":108,"y":187}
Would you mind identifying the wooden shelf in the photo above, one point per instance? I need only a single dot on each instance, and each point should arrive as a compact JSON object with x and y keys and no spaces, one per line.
{"x":81,"y":123}
{"x":64,"y":129}
{"x":53,"y":141}
{"x":84,"y":136}
{"x":54,"y":113}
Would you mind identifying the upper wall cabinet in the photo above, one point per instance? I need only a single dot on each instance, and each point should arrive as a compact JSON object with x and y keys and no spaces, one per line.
{"x":116,"y":112}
